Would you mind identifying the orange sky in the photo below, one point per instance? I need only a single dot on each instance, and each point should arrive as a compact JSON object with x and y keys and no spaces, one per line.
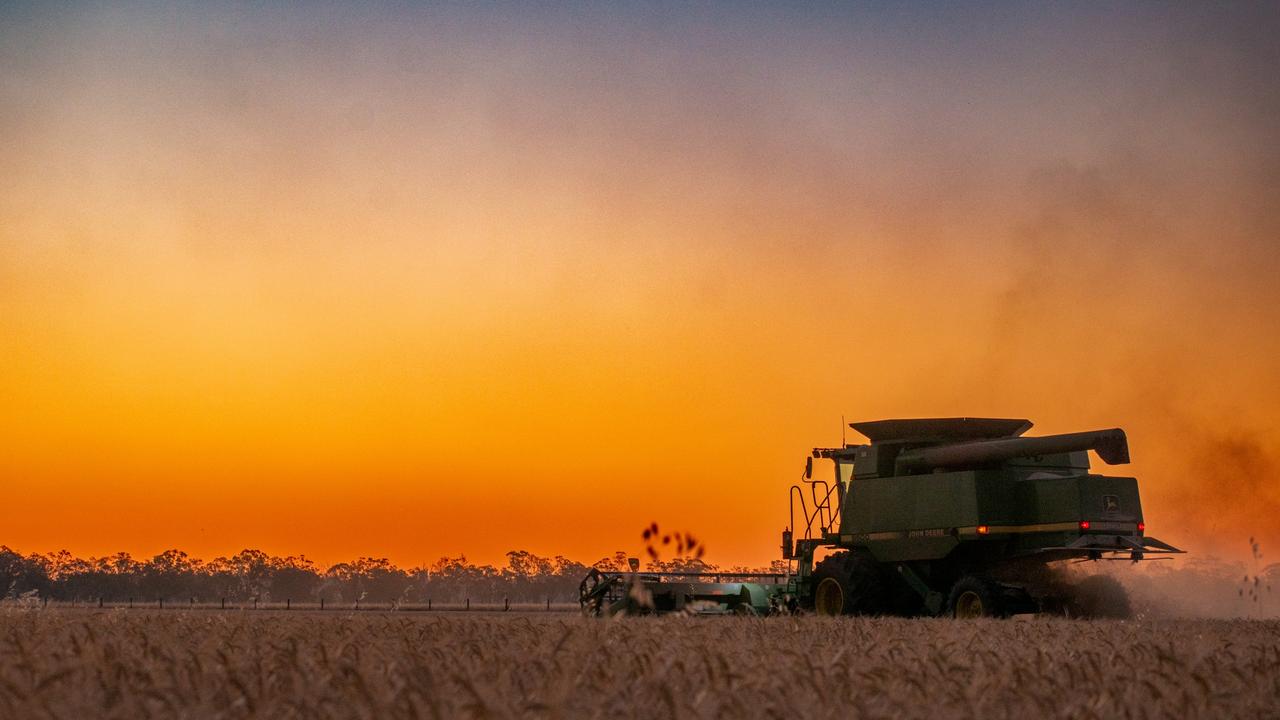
{"x":411,"y":283}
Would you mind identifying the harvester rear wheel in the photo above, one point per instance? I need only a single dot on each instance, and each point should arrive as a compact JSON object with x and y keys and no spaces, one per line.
{"x":848,"y":583}
{"x":975,"y":597}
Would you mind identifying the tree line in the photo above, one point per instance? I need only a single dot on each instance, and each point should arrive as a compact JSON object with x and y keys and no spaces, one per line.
{"x":252,"y":575}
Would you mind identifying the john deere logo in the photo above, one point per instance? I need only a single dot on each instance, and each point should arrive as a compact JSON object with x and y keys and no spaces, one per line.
{"x":1110,"y":503}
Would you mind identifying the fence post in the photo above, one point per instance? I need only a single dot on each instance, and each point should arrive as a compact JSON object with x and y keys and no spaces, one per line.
{"x":321,"y":603}
{"x":46,"y":601}
{"x":468,"y":603}
{"x":255,"y":603}
{"x":161,"y":603}
{"x":548,"y":604}
{"x":224,"y":603}
{"x":287,"y":601}
{"x":428,"y":603}
{"x":130,"y":603}
{"x":99,"y":601}
{"x":506,"y":604}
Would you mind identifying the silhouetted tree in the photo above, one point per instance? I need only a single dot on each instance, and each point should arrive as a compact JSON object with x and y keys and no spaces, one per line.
{"x":21,"y":575}
{"x":295,"y":578}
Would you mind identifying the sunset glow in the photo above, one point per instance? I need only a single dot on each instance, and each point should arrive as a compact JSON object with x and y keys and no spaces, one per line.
{"x":413,"y":283}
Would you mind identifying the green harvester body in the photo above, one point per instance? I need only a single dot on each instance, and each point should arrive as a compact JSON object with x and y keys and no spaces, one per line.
{"x":934,"y":500}
{"x":933,"y":516}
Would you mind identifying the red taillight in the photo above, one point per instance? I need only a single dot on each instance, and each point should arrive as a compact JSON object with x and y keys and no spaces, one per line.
{"x":1142,"y":527}
{"x":1084,"y":524}
{"x":984,"y":529}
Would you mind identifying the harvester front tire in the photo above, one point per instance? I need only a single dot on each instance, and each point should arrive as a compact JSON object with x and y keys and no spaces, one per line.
{"x":974,"y":597}
{"x":848,"y":583}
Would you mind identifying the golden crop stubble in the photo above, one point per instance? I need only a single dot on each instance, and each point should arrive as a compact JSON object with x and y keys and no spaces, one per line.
{"x":245,"y":664}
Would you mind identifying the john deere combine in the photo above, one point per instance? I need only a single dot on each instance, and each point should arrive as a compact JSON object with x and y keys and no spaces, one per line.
{"x":957,"y":516}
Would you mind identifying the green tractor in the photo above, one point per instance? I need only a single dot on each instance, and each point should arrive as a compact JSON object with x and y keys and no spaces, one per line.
{"x":962,"y":517}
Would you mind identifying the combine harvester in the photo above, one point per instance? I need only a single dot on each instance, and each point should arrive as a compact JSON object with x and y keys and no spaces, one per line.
{"x":949,"y":516}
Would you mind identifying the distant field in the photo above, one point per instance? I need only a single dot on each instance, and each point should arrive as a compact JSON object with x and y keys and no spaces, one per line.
{"x":133,"y":664}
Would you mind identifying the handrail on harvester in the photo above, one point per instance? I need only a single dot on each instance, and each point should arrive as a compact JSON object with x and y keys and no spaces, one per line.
{"x":824,"y":513}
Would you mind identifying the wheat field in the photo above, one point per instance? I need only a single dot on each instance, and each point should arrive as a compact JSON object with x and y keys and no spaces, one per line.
{"x":203,"y":664}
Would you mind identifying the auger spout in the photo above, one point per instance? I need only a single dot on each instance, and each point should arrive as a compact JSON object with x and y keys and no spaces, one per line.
{"x":1111,"y":445}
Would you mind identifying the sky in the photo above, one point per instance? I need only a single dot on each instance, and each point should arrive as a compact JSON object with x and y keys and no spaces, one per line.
{"x":412,"y":281}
